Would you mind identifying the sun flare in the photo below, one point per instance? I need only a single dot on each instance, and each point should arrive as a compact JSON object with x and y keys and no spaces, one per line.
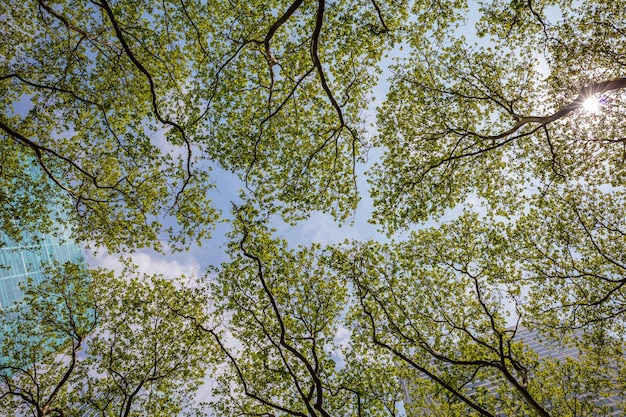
{"x":592,"y":104}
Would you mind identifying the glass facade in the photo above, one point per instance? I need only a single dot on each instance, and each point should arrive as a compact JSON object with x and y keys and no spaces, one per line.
{"x":544,"y":350}
{"x":28,"y":259}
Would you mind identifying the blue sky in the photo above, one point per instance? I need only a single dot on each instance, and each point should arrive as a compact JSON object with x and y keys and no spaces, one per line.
{"x":319,"y":227}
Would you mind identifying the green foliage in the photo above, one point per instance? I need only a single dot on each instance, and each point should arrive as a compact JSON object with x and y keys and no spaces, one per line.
{"x":128,"y":103}
{"x":117,"y":110}
{"x":503,"y":115}
{"x":40,"y":342}
{"x":282,"y":311}
{"x":26,"y":196}
{"x":148,"y":351}
{"x":143,"y":353}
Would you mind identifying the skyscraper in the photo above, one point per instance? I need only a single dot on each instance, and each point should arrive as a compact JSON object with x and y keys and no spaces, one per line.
{"x":29,"y":257}
{"x":608,"y":406}
{"x":28,"y":197}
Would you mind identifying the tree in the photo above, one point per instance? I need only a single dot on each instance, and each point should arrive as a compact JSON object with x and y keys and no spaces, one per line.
{"x":41,"y":341}
{"x":438,"y":304}
{"x":149,"y":358}
{"x":139,"y":352}
{"x":278,"y":347}
{"x":432,"y":310}
{"x":503,"y":123}
{"x":126,"y":106}
{"x":498,"y":117}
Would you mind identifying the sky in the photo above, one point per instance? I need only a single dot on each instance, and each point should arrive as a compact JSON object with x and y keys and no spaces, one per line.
{"x":319,"y":227}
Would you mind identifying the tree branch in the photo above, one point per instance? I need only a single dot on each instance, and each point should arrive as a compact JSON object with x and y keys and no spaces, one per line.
{"x":120,"y":36}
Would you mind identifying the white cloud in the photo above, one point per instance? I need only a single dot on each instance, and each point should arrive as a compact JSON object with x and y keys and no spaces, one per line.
{"x":149,"y":262}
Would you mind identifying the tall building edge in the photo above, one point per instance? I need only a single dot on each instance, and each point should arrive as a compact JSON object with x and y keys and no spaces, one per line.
{"x":28,"y":258}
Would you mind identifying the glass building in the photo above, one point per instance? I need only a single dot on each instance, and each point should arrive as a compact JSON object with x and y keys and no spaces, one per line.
{"x":35,"y":251}
{"x":545,"y":350}
{"x":28,"y":259}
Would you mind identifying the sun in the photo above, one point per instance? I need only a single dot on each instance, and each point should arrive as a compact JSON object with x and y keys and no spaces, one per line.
{"x":592,"y":104}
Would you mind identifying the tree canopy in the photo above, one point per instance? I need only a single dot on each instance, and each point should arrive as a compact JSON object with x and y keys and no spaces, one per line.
{"x":499,"y":195}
